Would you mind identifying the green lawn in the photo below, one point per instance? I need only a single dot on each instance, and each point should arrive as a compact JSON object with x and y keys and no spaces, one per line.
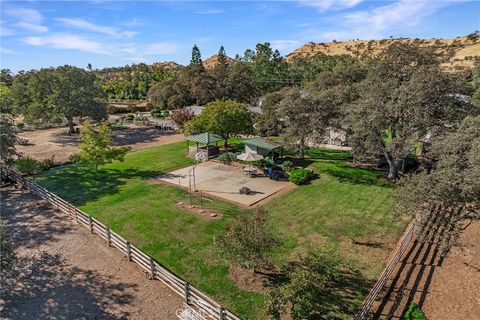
{"x":342,"y":205}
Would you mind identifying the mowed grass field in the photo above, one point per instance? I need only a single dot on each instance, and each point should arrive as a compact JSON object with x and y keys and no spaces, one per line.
{"x":346,"y":207}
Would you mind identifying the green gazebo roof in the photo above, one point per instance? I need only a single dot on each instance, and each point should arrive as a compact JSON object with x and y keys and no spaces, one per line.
{"x":262,"y":143}
{"x":205,"y":138}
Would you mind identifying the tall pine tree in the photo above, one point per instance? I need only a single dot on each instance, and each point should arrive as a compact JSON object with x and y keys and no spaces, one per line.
{"x":222,"y":56}
{"x":196,"y":56}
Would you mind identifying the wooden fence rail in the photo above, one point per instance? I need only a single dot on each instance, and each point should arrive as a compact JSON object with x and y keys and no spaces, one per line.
{"x":194,"y":297}
{"x":408,"y":236}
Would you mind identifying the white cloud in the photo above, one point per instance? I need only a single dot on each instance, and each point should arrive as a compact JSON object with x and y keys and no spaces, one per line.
{"x":67,"y":41}
{"x":210,"y":11}
{"x":282,"y":45}
{"x":132,"y":23}
{"x":28,"y":19}
{"x":86,"y":25}
{"x":6,"y":50}
{"x":129,"y":34}
{"x":381,"y":21}
{"x":25,"y":14}
{"x":6,"y":31}
{"x":32,"y":27}
{"x":325,"y":5}
{"x":161,"y":48}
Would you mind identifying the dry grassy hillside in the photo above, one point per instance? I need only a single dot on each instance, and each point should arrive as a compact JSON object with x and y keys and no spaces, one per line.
{"x":212,"y":61}
{"x":167,"y":65}
{"x":459,"y":53}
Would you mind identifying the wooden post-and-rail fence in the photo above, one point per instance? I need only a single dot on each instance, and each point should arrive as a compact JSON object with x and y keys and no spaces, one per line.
{"x":193,"y":297}
{"x":409,"y":235}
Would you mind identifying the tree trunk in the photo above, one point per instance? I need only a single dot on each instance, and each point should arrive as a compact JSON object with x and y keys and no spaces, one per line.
{"x":71,"y":126}
{"x":392,"y":167}
{"x":302,"y":148}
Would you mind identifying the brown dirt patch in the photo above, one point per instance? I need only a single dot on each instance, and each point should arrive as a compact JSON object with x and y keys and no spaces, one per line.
{"x":444,"y":286}
{"x":43,"y":144}
{"x":64,"y":272}
{"x":259,"y":281}
{"x":454,"y":291}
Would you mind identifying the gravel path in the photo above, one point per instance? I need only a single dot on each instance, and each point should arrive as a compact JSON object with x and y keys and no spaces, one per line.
{"x":64,"y":272}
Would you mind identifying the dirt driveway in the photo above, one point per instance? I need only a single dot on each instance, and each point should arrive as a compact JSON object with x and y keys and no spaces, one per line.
{"x":47,"y":142}
{"x":64,"y":272}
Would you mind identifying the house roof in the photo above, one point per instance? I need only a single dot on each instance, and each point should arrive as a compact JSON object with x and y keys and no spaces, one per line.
{"x":205,"y":138}
{"x":262,"y":143}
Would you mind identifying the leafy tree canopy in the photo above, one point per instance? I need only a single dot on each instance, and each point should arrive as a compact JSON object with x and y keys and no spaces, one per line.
{"x":225,"y":118}
{"x":7,"y":141}
{"x":307,"y":286}
{"x":404,"y":95}
{"x":247,"y":242}
{"x":96,"y":149}
{"x":454,"y":178}
{"x":52,"y":95}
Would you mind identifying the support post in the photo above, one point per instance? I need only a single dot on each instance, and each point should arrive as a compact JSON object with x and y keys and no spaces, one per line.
{"x":186,"y":292}
{"x":108,"y":237}
{"x":90,"y":221}
{"x":152,"y":268}
{"x":129,"y":251}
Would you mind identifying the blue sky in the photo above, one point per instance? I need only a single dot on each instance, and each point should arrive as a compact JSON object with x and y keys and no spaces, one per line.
{"x":36,"y":34}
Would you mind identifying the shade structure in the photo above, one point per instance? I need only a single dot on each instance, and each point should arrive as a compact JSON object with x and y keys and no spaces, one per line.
{"x":205,"y":138}
{"x":262,"y":143}
{"x":249,"y":157}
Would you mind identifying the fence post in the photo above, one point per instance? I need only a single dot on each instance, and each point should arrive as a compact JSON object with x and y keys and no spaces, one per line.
{"x":186,"y":292}
{"x":152,"y":268}
{"x":108,"y":237}
{"x":222,"y":313}
{"x":90,"y":222}
{"x":129,"y":251}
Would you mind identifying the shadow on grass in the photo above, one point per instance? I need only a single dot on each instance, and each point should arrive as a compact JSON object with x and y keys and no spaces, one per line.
{"x":326,"y":154}
{"x":345,"y":173}
{"x":341,"y":170}
{"x":80,"y":185}
{"x":340,"y":298}
{"x":344,"y":296}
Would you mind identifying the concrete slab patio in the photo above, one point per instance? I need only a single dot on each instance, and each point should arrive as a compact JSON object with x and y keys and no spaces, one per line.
{"x":224,"y":181}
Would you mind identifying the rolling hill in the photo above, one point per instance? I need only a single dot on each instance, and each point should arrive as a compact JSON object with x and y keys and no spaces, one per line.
{"x":458,"y":53}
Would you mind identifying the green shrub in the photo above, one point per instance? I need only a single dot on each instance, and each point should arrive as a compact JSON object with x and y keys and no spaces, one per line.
{"x":74,"y":158}
{"x":20,"y":125}
{"x":227,"y":157}
{"x":300,"y":176}
{"x":268,"y":162}
{"x":129,"y":116}
{"x":27,"y":166}
{"x":46,"y":164}
{"x":287,"y":165}
{"x":156,"y":113}
{"x":414,"y":313}
{"x":117,"y":126}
